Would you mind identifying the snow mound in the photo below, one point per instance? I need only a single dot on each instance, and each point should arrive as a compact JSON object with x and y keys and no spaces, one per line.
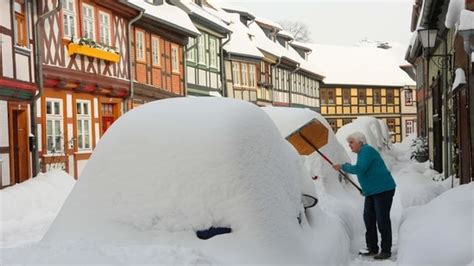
{"x":440,"y":232}
{"x":175,"y":166}
{"x":28,"y":208}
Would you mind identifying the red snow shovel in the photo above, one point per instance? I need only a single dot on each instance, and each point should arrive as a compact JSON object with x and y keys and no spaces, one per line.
{"x":311,"y":137}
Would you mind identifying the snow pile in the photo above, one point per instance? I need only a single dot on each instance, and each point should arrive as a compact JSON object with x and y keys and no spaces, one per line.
{"x":375,"y":131}
{"x":338,"y":199}
{"x":440,"y":232}
{"x":175,"y":166}
{"x":460,"y":78}
{"x":27,"y":209}
{"x":454,"y":13}
{"x":466,"y":20}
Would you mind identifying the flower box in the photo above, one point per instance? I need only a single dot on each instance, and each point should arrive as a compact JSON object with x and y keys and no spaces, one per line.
{"x":74,"y":48}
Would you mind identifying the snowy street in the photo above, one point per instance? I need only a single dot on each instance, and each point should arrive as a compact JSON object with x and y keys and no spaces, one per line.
{"x":335,"y":223}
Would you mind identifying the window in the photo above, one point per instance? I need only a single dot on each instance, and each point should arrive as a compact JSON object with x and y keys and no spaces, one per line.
{"x":191,"y":53}
{"x":104,"y":28}
{"x":409,"y":127}
{"x":245,"y":77}
{"x":88,"y":25}
{"x":83,"y":125}
{"x":236,"y":73}
{"x":330,"y":96}
{"x":54,"y":126}
{"x":69,"y":18}
{"x":175,"y":58}
{"x":362,"y":98}
{"x":252,"y":76}
{"x":323,"y":96}
{"x":202,"y":49}
{"x":346,"y":96}
{"x":332,"y":123}
{"x":391,"y":124}
{"x":21,"y":36}
{"x":140,"y":45}
{"x":346,"y":121}
{"x":213,"y":52}
{"x":408,"y":97}
{"x":377,"y":96}
{"x":155,"y":51}
{"x":389,"y":96}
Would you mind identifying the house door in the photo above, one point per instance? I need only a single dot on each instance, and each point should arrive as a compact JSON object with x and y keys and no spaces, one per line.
{"x":108,"y":116}
{"x":19,"y":149}
{"x":437,"y":127}
{"x":463,"y":135}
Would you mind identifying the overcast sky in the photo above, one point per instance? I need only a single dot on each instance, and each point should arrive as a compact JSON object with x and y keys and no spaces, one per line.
{"x":340,"y":22}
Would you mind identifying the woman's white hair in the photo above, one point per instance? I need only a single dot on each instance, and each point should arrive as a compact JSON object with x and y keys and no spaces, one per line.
{"x":357,"y":136}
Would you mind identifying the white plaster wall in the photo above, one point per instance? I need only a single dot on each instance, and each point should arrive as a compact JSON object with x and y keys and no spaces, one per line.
{"x":69,"y":106}
{"x":96,"y":108}
{"x":80,"y":166}
{"x":214,"y":80}
{"x":7,"y":54}
{"x":5,"y":17}
{"x":70,"y":134}
{"x":202,"y":78}
{"x":71,"y":164}
{"x":190,"y":75}
{"x":97,"y":133}
{"x":3,"y":124}
{"x":5,"y":165}
{"x":22,"y":67}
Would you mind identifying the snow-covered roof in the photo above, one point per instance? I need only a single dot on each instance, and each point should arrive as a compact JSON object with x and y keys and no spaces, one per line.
{"x":269,"y":23}
{"x":194,"y":9}
{"x":359,"y":65}
{"x":460,"y":78}
{"x":285,"y":34}
{"x":301,"y":45}
{"x":466,"y":20}
{"x":167,"y":14}
{"x":240,"y":42}
{"x":454,"y":12}
{"x":237,"y":9}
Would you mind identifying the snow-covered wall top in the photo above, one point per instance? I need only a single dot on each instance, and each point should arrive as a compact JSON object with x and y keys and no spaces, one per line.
{"x":460,"y":78}
{"x":168,"y":14}
{"x":171,"y":167}
{"x":360,"y":65}
{"x":454,"y":13}
{"x":466,"y":20}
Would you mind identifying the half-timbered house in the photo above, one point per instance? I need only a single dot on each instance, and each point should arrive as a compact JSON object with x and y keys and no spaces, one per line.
{"x":86,"y":78}
{"x":204,"y":65}
{"x":159,"y":39}
{"x":17,"y":89}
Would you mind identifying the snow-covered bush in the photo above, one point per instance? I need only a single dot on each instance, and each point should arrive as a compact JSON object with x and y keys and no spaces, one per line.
{"x":420,"y":149}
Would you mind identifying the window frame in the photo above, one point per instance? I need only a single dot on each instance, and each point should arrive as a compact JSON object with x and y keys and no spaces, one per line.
{"x":155,"y":54}
{"x":346,"y":92}
{"x":408,"y":100}
{"x":54,"y":117}
{"x":377,"y":96}
{"x":101,"y":26}
{"x":140,"y":50}
{"x":244,"y":75}
{"x":252,"y":75}
{"x":191,"y":53}
{"x":83,"y":119}
{"x":392,"y":96}
{"x":412,"y":127}
{"x":236,"y":73}
{"x":66,"y":12}
{"x":330,"y":100}
{"x":21,"y":37}
{"x":213,"y":53}
{"x":91,"y":20}
{"x":202,"y":55}
{"x":175,"y":59}
{"x":361,"y":92}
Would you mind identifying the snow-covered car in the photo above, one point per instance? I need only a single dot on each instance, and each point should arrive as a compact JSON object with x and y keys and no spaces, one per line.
{"x":212,"y":175}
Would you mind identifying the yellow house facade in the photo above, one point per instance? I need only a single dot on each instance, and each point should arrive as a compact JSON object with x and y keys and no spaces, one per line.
{"x":366,"y":80}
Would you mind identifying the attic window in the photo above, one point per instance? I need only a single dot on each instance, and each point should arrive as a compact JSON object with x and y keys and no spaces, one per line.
{"x":212,"y":231}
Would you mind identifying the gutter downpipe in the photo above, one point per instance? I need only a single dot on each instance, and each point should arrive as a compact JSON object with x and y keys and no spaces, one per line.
{"x":273,"y":76}
{"x":447,"y":165}
{"x":223,"y":74}
{"x":290,"y":87}
{"x":129,"y":47}
{"x":40,"y":81}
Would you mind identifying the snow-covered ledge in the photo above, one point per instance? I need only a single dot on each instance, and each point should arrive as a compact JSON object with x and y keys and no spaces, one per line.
{"x":460,"y":79}
{"x":453,"y":14}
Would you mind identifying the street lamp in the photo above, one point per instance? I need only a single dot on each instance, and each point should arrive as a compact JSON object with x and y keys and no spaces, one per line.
{"x":428,"y":39}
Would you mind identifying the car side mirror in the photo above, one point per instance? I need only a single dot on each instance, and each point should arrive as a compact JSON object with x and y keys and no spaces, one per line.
{"x":308,"y":201}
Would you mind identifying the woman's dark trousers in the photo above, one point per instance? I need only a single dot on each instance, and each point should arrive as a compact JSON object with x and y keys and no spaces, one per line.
{"x":377,"y":214}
